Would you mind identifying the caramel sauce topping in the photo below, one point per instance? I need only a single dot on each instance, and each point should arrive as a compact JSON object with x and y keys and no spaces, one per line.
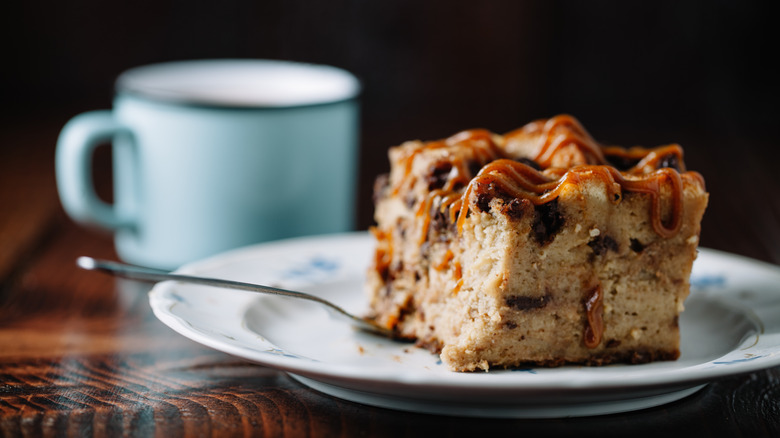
{"x":521,"y":181}
{"x":556,"y":133}
{"x":649,"y":171}
{"x":594,"y":310}
{"x":481,"y":143}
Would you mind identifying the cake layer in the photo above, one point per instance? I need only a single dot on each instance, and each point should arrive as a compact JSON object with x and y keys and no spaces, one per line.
{"x":536,"y":247}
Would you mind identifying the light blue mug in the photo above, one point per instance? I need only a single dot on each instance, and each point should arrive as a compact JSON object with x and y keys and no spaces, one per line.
{"x":215,"y":154}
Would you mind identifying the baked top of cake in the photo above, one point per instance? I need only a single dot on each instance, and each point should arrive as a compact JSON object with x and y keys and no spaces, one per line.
{"x":539,"y":246}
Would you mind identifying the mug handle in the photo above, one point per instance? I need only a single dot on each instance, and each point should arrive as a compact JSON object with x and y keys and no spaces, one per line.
{"x":73,"y":164}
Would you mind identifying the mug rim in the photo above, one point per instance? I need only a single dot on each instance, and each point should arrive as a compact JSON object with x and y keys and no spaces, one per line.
{"x":194,"y":104}
{"x":189,"y":83}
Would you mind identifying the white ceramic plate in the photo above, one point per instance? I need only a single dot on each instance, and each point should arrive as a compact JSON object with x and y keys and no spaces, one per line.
{"x":731,"y":325}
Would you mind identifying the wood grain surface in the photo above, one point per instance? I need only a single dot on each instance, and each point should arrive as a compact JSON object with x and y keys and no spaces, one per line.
{"x":82,"y":355}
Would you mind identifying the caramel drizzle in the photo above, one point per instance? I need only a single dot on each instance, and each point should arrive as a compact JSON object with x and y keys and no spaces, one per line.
{"x":559,"y":132}
{"x":458,"y":273}
{"x":563,"y":130}
{"x":594,"y":309}
{"x":447,"y":197}
{"x":521,"y":181}
{"x":448,"y":256}
{"x":484,"y":150}
{"x":479,"y":140}
{"x":646,"y":159}
{"x":383,"y":258}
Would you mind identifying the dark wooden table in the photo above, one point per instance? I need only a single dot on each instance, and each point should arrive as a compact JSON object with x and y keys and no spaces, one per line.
{"x":78,"y":357}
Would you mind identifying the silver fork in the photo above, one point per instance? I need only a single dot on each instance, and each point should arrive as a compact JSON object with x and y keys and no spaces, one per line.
{"x":149,"y":274}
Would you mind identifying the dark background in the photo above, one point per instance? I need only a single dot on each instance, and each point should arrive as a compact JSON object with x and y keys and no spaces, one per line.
{"x":697,"y":73}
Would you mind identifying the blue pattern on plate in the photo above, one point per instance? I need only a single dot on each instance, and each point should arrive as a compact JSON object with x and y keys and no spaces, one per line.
{"x":315,"y":268}
{"x":746,"y":359}
{"x":524,"y":370}
{"x":702,"y":281}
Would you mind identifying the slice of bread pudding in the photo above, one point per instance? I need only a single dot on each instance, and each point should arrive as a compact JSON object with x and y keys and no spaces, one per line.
{"x":536,"y":247}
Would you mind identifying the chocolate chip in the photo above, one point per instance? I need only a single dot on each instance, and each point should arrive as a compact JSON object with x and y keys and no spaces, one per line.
{"x":601,"y":244}
{"x":515,"y":208}
{"x":612,"y":343}
{"x":406,"y":309}
{"x":394,"y":271}
{"x":636,"y":245}
{"x":438,"y":174}
{"x":486,"y":192}
{"x":548,"y":220}
{"x":384,"y":273}
{"x":400,"y":228}
{"x":483,"y":202}
{"x":410,"y":200}
{"x":425,"y":250}
{"x":439,"y":219}
{"x":522,"y":302}
{"x":440,"y":228}
{"x":510,"y":325}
